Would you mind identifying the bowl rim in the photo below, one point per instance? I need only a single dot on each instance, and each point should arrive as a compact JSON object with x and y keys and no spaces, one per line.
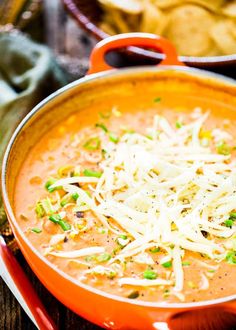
{"x":95,"y":30}
{"x":83,"y":81}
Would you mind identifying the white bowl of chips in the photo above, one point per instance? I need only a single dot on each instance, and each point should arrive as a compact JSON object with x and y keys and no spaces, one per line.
{"x":203,"y":31}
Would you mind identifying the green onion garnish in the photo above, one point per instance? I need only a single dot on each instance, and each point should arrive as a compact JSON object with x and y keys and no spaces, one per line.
{"x":186,"y":263}
{"x":113,"y":138}
{"x":92,"y":144}
{"x":231,"y":257}
{"x":178,"y":124}
{"x":58,"y":220}
{"x":47,"y":206}
{"x":36,"y":230}
{"x":123,"y":236}
{"x":223,"y":149}
{"x":39,"y":210}
{"x":154,"y":250}
{"x":103,"y":257}
{"x":149,"y":137}
{"x":104,"y":152}
{"x":75,"y":196}
{"x":232,"y":216}
{"x":89,"y":258}
{"x":157,"y":99}
{"x":64,"y":202}
{"x":167,"y":264}
{"x":229,"y":223}
{"x":150,"y":274}
{"x":102,"y":126}
{"x":55,"y":218}
{"x":49,"y":183}
{"x":64,"y":225}
{"x":88,"y":172}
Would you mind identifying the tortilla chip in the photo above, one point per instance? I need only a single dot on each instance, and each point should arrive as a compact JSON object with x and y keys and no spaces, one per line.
{"x":230,"y":9}
{"x":130,"y":6}
{"x":164,"y":4}
{"x":224,"y":36}
{"x":118,"y":21}
{"x":211,"y":5}
{"x":188,"y":30}
{"x":153,"y":20}
{"x":106,"y":27}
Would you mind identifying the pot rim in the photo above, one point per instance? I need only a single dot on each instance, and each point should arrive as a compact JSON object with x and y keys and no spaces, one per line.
{"x":36,"y":109}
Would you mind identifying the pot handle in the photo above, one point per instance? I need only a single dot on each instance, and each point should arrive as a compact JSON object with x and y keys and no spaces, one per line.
{"x":18,"y":282}
{"x":97,"y":58}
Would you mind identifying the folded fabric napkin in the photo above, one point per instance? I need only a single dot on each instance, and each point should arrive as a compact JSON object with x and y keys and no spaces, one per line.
{"x":28,"y":73}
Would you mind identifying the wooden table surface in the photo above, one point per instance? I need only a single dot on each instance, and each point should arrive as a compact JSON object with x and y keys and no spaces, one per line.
{"x":72,"y":47}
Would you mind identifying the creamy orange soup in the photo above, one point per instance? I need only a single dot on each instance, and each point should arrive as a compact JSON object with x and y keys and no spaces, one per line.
{"x":141,"y":206}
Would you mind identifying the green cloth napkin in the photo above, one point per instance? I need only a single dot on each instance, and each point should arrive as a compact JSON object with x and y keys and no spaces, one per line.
{"x":28,"y":73}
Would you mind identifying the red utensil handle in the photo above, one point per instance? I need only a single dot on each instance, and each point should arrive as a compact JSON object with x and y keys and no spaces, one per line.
{"x":26,"y":289}
{"x":97,"y":58}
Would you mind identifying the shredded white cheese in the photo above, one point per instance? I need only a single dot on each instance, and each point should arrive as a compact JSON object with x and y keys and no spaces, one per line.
{"x":163,"y":191}
{"x":78,"y":253}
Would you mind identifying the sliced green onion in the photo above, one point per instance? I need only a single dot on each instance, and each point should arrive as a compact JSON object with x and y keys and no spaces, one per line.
{"x":223,"y":149}
{"x":133,"y":295}
{"x":102,"y":126}
{"x":56,"y":218}
{"x":155,"y":250}
{"x":103,"y":257}
{"x":148,"y":136}
{"x":232,"y":216}
{"x":113,"y":138}
{"x":36,"y":230}
{"x":75,"y":196}
{"x":104,"y":152}
{"x":231,"y":257}
{"x":88,"y":172}
{"x":49,"y":183}
{"x":229,"y":223}
{"x":47,"y":206}
{"x":178,"y":124}
{"x":167,"y":264}
{"x":157,"y":99}
{"x":186,"y":263}
{"x":111,"y":274}
{"x":64,"y":225}
{"x":89,"y":258}
{"x":65,"y":200}
{"x":211,"y":271}
{"x":123,"y":236}
{"x":150,"y":274}
{"x":102,"y":231}
{"x":39,"y":210}
{"x":92,"y":144}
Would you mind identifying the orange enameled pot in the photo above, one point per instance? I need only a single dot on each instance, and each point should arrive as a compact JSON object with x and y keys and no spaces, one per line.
{"x":179,"y":86}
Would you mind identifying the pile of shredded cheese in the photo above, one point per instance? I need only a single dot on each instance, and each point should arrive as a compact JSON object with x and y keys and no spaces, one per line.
{"x":168,"y":189}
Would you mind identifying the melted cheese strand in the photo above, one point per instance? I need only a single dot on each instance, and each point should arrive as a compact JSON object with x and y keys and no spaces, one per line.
{"x":78,"y":253}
